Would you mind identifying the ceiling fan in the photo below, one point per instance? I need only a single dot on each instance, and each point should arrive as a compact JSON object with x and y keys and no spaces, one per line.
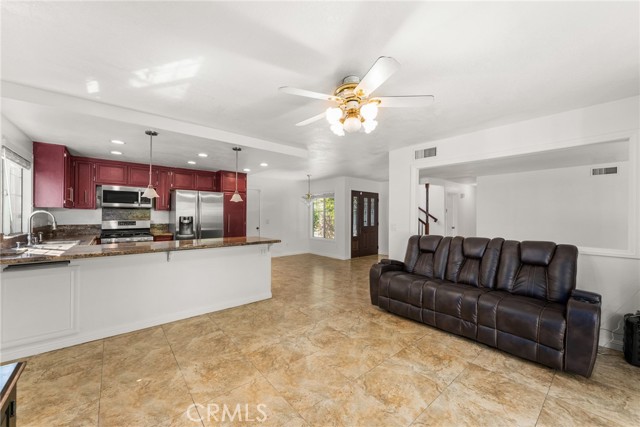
{"x":355,"y":108}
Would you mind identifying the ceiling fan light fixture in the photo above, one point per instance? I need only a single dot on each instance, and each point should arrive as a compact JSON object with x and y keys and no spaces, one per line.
{"x":369,"y":125}
{"x":333,"y":114}
{"x":352,"y":123}
{"x":369,"y":111}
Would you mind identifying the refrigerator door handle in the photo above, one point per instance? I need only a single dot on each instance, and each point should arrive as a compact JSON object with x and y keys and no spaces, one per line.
{"x":197,"y":220}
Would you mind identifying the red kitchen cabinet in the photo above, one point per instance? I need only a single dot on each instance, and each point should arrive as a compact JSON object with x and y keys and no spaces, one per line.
{"x":163,"y":186}
{"x":227,"y":181}
{"x":235,"y":216}
{"x":85,"y":186}
{"x":52,"y":176}
{"x":183,"y":179}
{"x":138,"y":176}
{"x":205,"y":181}
{"x":112,"y":173}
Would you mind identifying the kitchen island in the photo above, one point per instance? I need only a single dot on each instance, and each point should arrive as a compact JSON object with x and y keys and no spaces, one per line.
{"x":93,"y":292}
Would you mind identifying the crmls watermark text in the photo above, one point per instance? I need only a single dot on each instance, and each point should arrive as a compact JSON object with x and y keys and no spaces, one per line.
{"x":220,"y":413}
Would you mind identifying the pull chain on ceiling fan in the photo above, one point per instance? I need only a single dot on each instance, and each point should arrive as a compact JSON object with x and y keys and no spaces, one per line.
{"x":355,"y":108}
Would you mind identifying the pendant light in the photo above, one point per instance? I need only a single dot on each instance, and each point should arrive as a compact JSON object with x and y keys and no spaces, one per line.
{"x":236,"y":196}
{"x":150,"y":192}
{"x":308,"y":198}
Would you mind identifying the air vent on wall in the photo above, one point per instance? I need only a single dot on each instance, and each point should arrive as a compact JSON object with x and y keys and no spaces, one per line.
{"x":604,"y":171}
{"x":427,"y":152}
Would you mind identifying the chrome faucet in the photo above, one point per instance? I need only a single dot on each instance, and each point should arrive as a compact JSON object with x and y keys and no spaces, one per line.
{"x":34,"y":213}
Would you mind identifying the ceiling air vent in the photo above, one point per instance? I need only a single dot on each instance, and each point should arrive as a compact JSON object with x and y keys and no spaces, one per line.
{"x":427,"y":152}
{"x":604,"y":171}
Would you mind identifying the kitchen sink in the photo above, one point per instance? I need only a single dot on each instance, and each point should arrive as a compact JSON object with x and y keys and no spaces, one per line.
{"x":48,"y":248}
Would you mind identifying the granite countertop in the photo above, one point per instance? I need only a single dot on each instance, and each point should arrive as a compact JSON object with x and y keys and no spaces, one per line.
{"x":81,"y":251}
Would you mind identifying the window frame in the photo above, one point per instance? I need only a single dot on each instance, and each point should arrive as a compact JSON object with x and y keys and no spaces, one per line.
{"x":311,"y":212}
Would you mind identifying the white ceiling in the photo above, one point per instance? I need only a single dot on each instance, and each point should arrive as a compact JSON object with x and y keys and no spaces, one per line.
{"x":217,"y":66}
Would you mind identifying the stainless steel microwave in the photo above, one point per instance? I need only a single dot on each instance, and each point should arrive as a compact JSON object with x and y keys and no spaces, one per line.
{"x":115,"y":196}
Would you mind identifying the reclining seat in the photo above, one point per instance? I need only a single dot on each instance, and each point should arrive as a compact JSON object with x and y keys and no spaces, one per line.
{"x":452,"y":304}
{"x":397,"y":287}
{"x":525,"y":316}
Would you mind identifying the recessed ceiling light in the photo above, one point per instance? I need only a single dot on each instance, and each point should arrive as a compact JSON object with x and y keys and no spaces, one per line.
{"x":117,"y":141}
{"x":246,"y":170}
{"x":117,"y":153}
{"x":203,"y":155}
{"x":264,"y":165}
{"x":191,"y":162}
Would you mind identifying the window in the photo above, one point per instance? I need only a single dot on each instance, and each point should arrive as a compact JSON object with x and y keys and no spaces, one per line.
{"x":13,"y":167}
{"x":324,"y":216}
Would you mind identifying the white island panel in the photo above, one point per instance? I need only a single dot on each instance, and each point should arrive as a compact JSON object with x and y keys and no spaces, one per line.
{"x":121,"y":294}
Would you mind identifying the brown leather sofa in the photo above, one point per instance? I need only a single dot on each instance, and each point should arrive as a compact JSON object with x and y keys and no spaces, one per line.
{"x":519,"y":297}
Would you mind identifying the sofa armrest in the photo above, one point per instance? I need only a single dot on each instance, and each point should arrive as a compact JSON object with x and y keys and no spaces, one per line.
{"x":586,"y":296}
{"x":392,"y":262}
{"x":378,"y":270}
{"x":583,"y":332}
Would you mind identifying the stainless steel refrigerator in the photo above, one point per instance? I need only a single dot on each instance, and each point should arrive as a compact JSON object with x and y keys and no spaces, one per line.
{"x":196,"y":215}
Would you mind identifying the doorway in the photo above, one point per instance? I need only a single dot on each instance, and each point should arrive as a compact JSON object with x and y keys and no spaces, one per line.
{"x":364,"y":223}
{"x":451,"y":214}
{"x":253,"y":213}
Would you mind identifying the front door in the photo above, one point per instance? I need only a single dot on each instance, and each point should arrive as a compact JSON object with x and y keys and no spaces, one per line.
{"x":364,"y":223}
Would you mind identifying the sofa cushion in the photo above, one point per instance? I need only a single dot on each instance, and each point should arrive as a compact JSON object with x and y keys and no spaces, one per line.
{"x":406,"y":288}
{"x":458,"y":300}
{"x":532,"y":319}
{"x":473,"y":261}
{"x":541,"y":270}
{"x":431,"y":260}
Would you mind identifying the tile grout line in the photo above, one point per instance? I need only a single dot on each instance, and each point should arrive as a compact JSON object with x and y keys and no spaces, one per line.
{"x":182,"y":373}
{"x":546,"y":396}
{"x":101,"y":383}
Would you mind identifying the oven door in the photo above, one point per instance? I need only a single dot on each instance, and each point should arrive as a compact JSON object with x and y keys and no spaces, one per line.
{"x":121,"y":197}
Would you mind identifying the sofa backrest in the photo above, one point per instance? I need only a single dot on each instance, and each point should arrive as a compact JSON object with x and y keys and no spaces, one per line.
{"x":538,"y":269}
{"x":427,"y":255}
{"x":473,"y":261}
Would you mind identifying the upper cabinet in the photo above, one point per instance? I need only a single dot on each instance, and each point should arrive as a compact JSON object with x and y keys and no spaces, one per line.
{"x":63,"y":181}
{"x":111,"y":173}
{"x":52,"y":176}
{"x":183,"y":179}
{"x":138,"y":176}
{"x":205,"y":181}
{"x":84,"y":184}
{"x":228,"y":181}
{"x":163,"y":186}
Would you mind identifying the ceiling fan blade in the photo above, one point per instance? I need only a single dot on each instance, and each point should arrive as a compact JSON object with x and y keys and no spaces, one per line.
{"x":307,"y":93}
{"x":381,"y":70}
{"x":405,"y":101}
{"x":311,"y":119}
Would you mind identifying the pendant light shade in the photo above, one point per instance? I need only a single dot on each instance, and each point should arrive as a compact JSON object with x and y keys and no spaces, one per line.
{"x":150,"y":192}
{"x":236,"y":196}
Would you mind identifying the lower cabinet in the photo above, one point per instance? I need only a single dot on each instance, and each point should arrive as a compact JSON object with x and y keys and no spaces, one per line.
{"x":235,"y":216}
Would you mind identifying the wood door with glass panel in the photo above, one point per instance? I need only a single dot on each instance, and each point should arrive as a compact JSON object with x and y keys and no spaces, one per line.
{"x":364,"y":223}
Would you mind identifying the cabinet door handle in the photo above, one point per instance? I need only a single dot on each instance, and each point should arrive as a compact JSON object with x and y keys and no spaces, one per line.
{"x":71,"y":194}
{"x":85,"y":196}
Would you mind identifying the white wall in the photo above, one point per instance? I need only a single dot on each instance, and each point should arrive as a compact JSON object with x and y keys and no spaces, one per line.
{"x":283,"y":215}
{"x":565,"y":205}
{"x":616,"y":274}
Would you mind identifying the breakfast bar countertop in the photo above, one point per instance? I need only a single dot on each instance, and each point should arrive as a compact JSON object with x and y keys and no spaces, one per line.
{"x":82,"y":251}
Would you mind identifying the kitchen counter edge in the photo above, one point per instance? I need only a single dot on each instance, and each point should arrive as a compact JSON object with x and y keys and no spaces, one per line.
{"x":134,"y":248}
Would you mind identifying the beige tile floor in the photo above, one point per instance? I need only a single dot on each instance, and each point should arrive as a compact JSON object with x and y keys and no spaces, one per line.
{"x":317,"y":354}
